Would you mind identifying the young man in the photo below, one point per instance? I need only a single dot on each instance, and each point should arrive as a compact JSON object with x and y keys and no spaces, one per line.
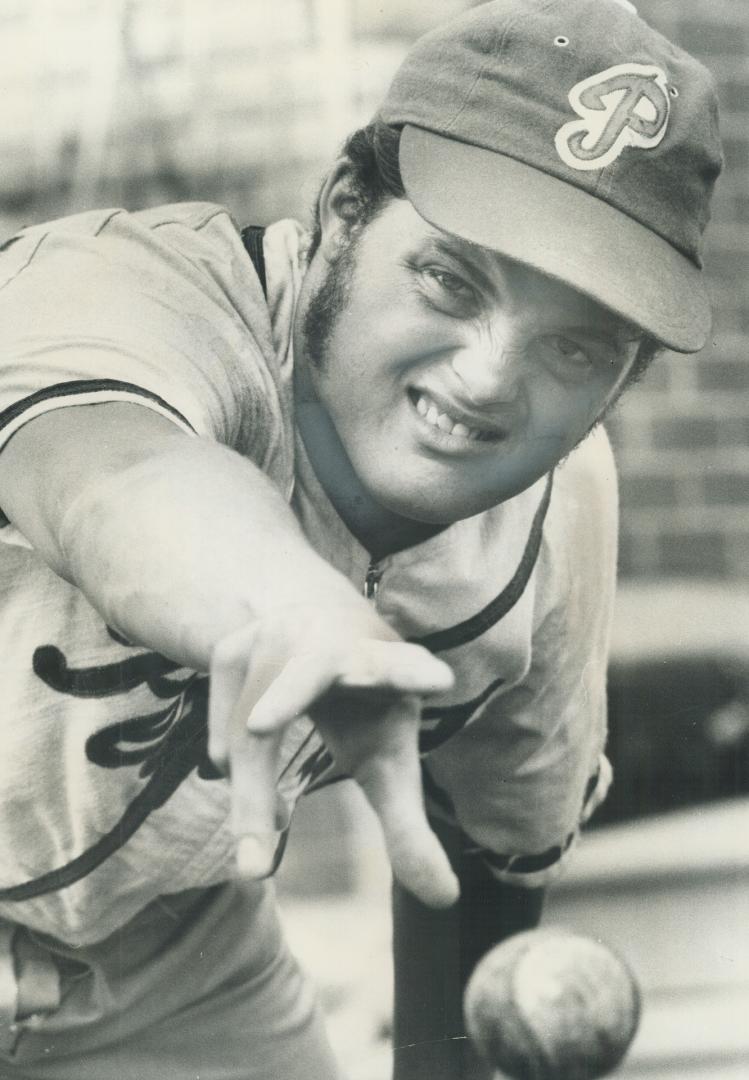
{"x":199,"y":479}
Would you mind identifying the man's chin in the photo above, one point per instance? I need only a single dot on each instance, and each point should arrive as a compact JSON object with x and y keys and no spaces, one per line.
{"x":435,"y":510}
{"x":438,"y":509}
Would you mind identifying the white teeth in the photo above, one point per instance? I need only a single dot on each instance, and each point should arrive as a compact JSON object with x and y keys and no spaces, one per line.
{"x":431,"y":413}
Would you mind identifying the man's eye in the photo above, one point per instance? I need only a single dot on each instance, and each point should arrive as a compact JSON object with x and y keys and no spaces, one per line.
{"x":570,"y":349}
{"x":448,"y":290}
{"x":566,"y":353}
{"x":451,"y":283}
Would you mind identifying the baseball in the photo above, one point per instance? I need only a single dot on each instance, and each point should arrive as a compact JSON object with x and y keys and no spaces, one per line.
{"x":552,"y":1005}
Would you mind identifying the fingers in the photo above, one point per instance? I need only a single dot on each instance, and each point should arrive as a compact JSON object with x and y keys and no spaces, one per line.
{"x":250,"y":760}
{"x":388,"y":665}
{"x":393,"y":787}
{"x":254,"y":768}
{"x":228,"y":675}
{"x":399,"y":666}
{"x":368,"y":694}
{"x":295,"y":689}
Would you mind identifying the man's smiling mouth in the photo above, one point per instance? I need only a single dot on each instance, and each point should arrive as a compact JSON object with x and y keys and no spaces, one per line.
{"x":445,"y":420}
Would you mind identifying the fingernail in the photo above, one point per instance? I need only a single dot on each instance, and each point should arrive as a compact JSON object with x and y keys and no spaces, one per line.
{"x":255,"y":855}
{"x":440,"y":678}
{"x":260,"y":723}
{"x":438,"y":668}
{"x":444,"y":893}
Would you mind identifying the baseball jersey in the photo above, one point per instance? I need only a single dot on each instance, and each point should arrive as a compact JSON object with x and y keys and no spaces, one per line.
{"x":110,"y":799}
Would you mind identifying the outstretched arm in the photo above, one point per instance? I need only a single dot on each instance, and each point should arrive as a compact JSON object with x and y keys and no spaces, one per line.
{"x":177,"y":541}
{"x":186,"y":547}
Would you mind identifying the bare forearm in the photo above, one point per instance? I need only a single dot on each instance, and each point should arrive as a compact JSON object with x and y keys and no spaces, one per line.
{"x":181,"y":549}
{"x":177,"y":541}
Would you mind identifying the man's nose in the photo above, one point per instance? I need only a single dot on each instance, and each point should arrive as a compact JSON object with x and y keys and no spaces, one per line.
{"x":490,"y":367}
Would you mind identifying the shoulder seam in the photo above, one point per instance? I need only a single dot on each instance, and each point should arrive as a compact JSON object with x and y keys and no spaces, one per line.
{"x":115,"y":213}
{"x":214,"y":212}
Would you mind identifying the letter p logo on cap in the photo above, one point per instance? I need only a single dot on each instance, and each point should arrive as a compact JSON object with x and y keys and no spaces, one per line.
{"x":625,"y":105}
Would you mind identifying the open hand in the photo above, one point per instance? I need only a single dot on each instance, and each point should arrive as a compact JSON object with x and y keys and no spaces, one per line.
{"x":362,"y":686}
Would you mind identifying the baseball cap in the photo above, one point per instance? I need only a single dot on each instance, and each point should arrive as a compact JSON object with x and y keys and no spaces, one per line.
{"x":570,"y":136}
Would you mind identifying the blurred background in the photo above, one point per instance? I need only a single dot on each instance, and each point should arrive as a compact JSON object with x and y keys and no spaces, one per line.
{"x":244,"y":102}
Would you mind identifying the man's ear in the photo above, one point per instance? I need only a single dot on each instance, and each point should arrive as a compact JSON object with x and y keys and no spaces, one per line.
{"x":339,"y":209}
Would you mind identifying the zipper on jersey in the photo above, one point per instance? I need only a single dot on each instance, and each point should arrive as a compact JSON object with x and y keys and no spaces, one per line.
{"x":372,"y":581}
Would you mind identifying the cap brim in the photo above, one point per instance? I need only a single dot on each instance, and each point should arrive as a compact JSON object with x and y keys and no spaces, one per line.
{"x":559,"y":229}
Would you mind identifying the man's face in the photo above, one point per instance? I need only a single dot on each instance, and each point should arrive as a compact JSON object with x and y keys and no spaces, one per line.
{"x":453,"y":378}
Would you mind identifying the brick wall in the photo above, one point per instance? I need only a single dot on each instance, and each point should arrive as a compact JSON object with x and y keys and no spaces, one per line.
{"x":682,"y":436}
{"x":133,"y":102}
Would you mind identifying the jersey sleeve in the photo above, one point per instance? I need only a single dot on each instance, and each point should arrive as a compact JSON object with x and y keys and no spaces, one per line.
{"x":530,"y":768}
{"x":161,"y":309}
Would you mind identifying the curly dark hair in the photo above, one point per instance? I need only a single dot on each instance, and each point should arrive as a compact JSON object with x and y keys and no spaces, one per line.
{"x":374,"y":174}
{"x":371,"y":153}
